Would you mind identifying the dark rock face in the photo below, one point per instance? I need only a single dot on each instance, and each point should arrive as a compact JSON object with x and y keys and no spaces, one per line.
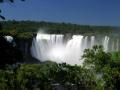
{"x":0,"y":26}
{"x":25,"y":46}
{"x":9,"y":54}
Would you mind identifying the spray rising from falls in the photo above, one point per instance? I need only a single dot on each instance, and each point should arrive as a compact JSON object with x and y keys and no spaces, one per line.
{"x":55,"y":48}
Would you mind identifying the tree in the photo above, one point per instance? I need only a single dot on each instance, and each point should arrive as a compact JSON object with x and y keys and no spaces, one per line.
{"x":112,"y":78}
{"x":2,"y":1}
{"x":12,"y":1}
{"x":96,"y":58}
{"x":100,"y":61}
{"x":9,"y":54}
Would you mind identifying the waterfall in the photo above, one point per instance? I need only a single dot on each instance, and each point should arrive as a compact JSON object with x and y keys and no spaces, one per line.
{"x":74,"y":50}
{"x":53,"y":47}
{"x":44,"y":45}
{"x":9,"y":38}
{"x":92,"y":41}
{"x":85,"y":43}
{"x":113,"y":46}
{"x":117,"y":45}
{"x":105,"y":43}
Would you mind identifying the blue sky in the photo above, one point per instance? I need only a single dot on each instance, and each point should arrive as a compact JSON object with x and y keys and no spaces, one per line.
{"x":90,"y":12}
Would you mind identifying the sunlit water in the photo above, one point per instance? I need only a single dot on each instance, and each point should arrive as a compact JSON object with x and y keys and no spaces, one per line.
{"x":53,"y":47}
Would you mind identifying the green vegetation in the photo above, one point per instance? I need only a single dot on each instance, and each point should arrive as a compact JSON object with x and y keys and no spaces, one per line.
{"x":44,"y":76}
{"x":96,"y":58}
{"x":31,"y":27}
{"x":99,"y":72}
{"x":105,"y":64}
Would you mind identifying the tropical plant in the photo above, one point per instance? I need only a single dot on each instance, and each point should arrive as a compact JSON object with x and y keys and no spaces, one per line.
{"x":96,"y":58}
{"x":102,"y":63}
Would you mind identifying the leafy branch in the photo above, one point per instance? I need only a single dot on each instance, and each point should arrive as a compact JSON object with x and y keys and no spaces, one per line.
{"x":2,"y":1}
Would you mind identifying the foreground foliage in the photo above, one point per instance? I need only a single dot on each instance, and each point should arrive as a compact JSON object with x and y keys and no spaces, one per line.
{"x":105,"y":64}
{"x":46,"y":76}
{"x":99,"y":72}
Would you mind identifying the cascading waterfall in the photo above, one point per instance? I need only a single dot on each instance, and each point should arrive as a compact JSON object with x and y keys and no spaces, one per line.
{"x":53,"y":47}
{"x":113,"y":46}
{"x":9,"y":38}
{"x":74,"y":50}
{"x":117,"y":45}
{"x":85,"y":42}
{"x":106,"y":43}
{"x":92,"y":41}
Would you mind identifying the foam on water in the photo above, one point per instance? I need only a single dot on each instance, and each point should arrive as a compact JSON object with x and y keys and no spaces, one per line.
{"x":53,"y":47}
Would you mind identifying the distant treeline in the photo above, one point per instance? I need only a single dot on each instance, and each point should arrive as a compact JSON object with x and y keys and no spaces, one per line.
{"x":30,"y":27}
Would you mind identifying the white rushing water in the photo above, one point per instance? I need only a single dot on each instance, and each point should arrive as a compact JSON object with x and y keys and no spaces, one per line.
{"x":53,"y":47}
{"x":9,"y":38}
{"x":106,"y":43}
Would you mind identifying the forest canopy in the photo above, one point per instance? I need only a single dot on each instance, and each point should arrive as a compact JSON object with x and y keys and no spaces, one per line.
{"x":31,"y":27}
